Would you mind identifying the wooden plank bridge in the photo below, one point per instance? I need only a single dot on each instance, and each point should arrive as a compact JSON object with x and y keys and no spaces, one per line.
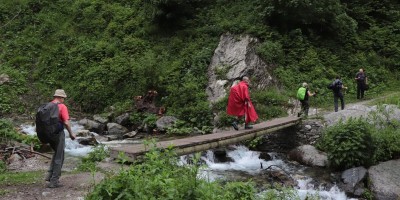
{"x":210,"y":141}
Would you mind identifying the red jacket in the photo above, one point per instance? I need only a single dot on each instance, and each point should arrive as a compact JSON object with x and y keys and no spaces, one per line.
{"x":238,"y":95}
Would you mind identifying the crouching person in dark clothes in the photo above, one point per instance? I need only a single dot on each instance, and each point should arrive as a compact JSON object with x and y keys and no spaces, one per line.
{"x":305,"y":105}
{"x":57,"y":142}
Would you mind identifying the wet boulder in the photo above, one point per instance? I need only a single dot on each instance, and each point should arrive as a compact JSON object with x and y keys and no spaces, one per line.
{"x":309,"y":155}
{"x":92,"y":125}
{"x":353,"y":180}
{"x":116,"y":129}
{"x":123,"y":119}
{"x":100,"y":119}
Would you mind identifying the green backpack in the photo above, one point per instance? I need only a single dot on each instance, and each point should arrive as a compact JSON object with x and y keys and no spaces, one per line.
{"x":301,"y":93}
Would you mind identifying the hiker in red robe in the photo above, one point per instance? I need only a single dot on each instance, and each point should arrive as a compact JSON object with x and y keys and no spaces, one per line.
{"x":239,"y":104}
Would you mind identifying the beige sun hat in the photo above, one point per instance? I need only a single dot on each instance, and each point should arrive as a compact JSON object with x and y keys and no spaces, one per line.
{"x":60,"y":93}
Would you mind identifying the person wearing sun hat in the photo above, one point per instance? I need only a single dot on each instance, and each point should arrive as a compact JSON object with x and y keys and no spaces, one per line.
{"x":58,"y":142}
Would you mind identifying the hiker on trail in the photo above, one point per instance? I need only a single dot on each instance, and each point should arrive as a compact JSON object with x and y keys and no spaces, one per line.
{"x":361,"y":79}
{"x":337,"y":92}
{"x":302,"y":94}
{"x":239,"y":104}
{"x":57,"y":140}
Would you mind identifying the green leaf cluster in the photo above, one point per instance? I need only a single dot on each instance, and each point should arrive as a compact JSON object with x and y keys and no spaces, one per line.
{"x":349,"y":144}
{"x":98,"y":154}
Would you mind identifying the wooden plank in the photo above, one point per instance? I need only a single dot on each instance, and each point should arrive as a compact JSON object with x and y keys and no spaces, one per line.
{"x":209,"y":141}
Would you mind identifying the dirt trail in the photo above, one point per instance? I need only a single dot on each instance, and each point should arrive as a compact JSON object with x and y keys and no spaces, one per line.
{"x":76,"y":185}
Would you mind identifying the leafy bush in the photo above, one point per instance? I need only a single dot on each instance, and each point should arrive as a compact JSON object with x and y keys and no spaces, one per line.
{"x":238,"y":190}
{"x":348,"y":144}
{"x":179,"y":128}
{"x":160,"y":177}
{"x":98,"y":154}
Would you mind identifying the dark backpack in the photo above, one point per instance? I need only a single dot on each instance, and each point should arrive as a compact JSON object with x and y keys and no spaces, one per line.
{"x":331,"y":85}
{"x":47,"y":122}
{"x":335,"y":85}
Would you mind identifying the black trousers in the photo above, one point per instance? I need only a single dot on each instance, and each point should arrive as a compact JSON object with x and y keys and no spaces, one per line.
{"x":336,"y":97}
{"x":305,"y":106}
{"x":360,"y":90}
{"x":57,"y":143}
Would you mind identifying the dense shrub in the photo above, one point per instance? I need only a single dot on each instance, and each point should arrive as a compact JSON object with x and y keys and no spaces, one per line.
{"x":348,"y":144}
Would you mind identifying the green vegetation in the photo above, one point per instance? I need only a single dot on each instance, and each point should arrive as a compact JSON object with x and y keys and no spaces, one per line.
{"x":99,"y":153}
{"x":20,"y":178}
{"x":348,"y":144}
{"x":393,"y":99}
{"x":361,"y":141}
{"x":105,"y":52}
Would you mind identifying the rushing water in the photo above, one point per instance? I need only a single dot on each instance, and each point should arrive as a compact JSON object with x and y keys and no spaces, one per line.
{"x":72,"y":147}
{"x":244,"y":165}
{"x":247,"y":164}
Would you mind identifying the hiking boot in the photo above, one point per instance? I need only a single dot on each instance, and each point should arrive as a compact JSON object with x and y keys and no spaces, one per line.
{"x":235,"y":126}
{"x":247,"y":126}
{"x":48,"y":176}
{"x":54,"y":185}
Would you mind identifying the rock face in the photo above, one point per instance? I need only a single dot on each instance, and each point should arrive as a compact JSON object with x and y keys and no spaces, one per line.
{"x":236,"y":57}
{"x":385,"y":180}
{"x":309,"y":155}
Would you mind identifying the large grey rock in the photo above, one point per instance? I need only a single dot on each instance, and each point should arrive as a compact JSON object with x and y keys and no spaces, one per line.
{"x":353,"y":180}
{"x":92,"y":126}
{"x":123,"y":119}
{"x":309,"y":155}
{"x":165,"y":122}
{"x":385,"y":180}
{"x":116,"y":129}
{"x":100,"y":119}
{"x":236,"y":57}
